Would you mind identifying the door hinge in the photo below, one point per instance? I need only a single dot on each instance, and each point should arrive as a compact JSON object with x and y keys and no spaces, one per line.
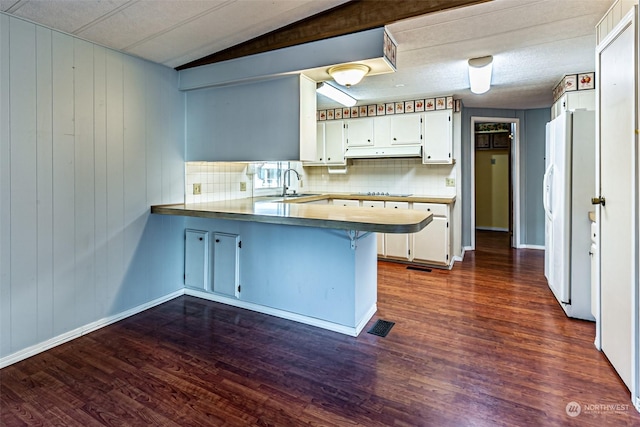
{"x":409,"y":251}
{"x":240,"y":244}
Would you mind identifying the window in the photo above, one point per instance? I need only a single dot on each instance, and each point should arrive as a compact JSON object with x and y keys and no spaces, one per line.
{"x":269,"y":174}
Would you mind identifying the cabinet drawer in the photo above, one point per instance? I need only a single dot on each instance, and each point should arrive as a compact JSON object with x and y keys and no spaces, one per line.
{"x":437,"y":209}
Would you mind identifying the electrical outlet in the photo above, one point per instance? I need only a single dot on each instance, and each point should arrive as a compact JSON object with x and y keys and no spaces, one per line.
{"x":450,"y":182}
{"x":243,"y":186}
{"x":197,"y":189}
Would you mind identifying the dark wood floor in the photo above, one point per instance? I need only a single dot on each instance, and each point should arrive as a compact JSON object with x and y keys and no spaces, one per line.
{"x":484,"y":344}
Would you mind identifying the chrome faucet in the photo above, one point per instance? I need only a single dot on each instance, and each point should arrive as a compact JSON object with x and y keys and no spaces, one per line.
{"x":284,"y":180}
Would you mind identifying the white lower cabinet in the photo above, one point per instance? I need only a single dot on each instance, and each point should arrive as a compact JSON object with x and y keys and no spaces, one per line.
{"x":346,"y":202}
{"x":226,"y":264}
{"x":379,"y":236}
{"x":431,"y":245}
{"x":196,"y":259}
{"x":396,"y":245}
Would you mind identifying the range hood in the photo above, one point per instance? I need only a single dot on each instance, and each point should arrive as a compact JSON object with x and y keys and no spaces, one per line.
{"x":382,"y":152}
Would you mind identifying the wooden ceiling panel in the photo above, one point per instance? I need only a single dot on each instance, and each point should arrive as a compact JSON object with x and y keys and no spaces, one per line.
{"x":351,"y":17}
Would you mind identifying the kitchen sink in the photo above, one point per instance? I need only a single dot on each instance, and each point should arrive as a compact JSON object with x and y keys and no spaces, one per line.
{"x":288,"y":196}
{"x":300,"y":195}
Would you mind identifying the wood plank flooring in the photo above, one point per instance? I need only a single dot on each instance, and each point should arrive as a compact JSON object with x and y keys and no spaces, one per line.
{"x":484,"y":344}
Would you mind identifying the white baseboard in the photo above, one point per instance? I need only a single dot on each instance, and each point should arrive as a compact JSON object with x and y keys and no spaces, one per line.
{"x":335,"y":327}
{"x":467,"y":248}
{"x":537,"y":247}
{"x":83,"y":330}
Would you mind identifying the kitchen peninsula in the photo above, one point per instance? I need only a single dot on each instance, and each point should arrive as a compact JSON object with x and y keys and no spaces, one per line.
{"x":312,"y":263}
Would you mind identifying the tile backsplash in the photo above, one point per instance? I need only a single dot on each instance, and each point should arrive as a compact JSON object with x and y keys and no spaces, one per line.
{"x":219,"y":181}
{"x":399,"y":176}
{"x":222,"y":180}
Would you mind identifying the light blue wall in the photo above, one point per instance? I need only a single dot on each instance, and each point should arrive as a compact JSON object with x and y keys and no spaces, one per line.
{"x":532,"y":140}
{"x":89,"y":139}
{"x":249,"y":121}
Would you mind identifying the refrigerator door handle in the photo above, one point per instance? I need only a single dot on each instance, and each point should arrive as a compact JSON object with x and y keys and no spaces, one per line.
{"x":546,"y":191}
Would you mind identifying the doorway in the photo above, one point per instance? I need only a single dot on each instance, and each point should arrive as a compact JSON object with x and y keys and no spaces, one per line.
{"x":494,"y":148}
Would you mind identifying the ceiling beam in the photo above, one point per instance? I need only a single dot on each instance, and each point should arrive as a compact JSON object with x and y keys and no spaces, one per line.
{"x":350,"y":17}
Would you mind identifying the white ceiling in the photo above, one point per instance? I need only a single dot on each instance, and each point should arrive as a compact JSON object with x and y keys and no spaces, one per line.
{"x":533,"y":42}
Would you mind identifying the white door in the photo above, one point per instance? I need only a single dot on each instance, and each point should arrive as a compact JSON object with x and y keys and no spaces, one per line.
{"x":360,"y":132}
{"x":560,"y":208}
{"x":334,"y":142}
{"x":406,"y":129}
{"x":226,"y":264}
{"x":379,"y":236}
{"x":396,"y":245}
{"x":546,"y":201}
{"x":617,"y":176}
{"x":438,"y":137}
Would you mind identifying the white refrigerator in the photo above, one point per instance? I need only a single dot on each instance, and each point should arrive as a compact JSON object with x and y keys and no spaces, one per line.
{"x":568,"y":183}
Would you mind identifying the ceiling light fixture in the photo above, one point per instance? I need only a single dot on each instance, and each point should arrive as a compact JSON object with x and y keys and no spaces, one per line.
{"x":335,"y":94}
{"x":348,"y":74}
{"x":480,"y":74}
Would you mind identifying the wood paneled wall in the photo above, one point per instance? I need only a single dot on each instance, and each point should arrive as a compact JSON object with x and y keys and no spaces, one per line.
{"x":89,"y":139}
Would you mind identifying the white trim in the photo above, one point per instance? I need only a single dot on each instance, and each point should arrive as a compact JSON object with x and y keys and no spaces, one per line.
{"x":457,"y":258}
{"x":468,"y":248}
{"x":83,"y":330}
{"x":515,"y":171}
{"x":335,"y":327}
{"x":536,"y":247}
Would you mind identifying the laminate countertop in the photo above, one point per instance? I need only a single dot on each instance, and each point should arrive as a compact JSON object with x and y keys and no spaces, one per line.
{"x":296,"y":211}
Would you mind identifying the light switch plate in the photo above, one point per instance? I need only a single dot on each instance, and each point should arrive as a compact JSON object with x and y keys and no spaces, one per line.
{"x":197,"y":189}
{"x":243,"y":186}
{"x":450,"y":182}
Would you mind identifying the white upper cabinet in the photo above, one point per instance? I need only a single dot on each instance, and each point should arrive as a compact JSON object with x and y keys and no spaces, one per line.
{"x":406,"y":129}
{"x":334,"y":142}
{"x":360,"y":132}
{"x":330,"y":142}
{"x":438,"y":137}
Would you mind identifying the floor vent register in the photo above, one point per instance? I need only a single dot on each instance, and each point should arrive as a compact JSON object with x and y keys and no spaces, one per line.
{"x":381,"y":328}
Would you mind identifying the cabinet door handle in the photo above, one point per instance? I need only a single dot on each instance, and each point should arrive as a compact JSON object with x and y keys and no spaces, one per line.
{"x":217,"y":240}
{"x":598,"y":201}
{"x":200,"y":238}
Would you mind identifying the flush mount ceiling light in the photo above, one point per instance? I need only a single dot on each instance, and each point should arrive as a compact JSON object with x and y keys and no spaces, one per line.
{"x":335,"y":94}
{"x":348,"y":74}
{"x":480,"y":74}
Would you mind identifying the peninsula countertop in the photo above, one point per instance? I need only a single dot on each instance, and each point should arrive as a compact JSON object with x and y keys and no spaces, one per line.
{"x":296,"y":212}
